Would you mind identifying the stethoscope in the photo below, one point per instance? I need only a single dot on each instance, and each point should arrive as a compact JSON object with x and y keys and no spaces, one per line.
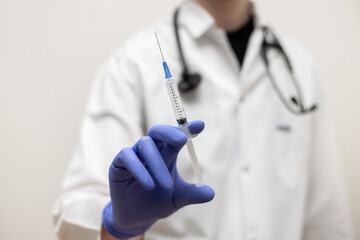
{"x":190,"y":81}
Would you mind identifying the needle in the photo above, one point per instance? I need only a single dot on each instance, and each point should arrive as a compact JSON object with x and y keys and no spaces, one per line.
{"x":162,"y":56}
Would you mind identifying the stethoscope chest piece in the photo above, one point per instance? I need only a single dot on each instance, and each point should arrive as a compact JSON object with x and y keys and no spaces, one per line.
{"x":189,"y":82}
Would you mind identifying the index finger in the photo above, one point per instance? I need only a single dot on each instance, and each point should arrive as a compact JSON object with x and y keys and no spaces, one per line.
{"x":168,"y":134}
{"x":173,"y":135}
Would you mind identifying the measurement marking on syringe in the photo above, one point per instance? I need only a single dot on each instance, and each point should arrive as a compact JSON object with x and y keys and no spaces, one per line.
{"x":176,"y":99}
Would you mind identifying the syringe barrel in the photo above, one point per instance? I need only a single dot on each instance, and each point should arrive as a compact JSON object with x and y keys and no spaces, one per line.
{"x":176,"y":100}
{"x":192,"y":154}
{"x":183,"y":126}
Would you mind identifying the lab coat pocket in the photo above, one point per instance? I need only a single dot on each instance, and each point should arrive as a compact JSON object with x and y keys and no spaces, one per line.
{"x":292,"y":143}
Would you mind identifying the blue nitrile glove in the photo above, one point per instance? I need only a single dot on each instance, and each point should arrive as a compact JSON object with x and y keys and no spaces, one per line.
{"x":145,"y":184}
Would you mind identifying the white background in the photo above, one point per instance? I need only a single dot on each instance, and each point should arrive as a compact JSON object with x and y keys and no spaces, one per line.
{"x":50,"y":51}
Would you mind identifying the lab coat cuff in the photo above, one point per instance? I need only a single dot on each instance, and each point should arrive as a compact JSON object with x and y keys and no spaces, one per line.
{"x":107,"y":220}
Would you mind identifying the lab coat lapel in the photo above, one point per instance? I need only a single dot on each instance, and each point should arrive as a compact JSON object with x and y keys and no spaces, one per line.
{"x":253,"y":70}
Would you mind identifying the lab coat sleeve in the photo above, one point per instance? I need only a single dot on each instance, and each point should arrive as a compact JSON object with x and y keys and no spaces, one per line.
{"x":112,"y":121}
{"x":327,"y":211}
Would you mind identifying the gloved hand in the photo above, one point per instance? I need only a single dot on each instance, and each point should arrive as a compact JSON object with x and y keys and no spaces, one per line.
{"x":145,"y":185}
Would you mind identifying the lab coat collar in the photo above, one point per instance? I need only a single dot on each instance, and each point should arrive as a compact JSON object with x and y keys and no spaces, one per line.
{"x":197,"y":21}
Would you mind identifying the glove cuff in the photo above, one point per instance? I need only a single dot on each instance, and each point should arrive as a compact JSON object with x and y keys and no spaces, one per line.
{"x":110,"y":226}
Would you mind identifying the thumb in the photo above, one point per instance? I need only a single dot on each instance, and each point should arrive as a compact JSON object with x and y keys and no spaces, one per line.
{"x":187,"y":194}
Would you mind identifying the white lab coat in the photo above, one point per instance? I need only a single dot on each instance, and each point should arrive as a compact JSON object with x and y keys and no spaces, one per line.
{"x":276,"y":176}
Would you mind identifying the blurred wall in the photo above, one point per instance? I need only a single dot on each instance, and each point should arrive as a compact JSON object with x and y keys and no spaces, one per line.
{"x":51,"y":50}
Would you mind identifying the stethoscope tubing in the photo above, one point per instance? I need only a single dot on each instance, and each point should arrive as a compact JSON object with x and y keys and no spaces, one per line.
{"x":274,"y":43}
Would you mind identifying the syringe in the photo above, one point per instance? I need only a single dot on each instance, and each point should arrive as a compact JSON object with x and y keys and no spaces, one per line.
{"x":181,"y":117}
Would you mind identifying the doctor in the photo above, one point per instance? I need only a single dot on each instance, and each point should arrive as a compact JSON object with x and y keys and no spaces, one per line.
{"x":268,"y":151}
